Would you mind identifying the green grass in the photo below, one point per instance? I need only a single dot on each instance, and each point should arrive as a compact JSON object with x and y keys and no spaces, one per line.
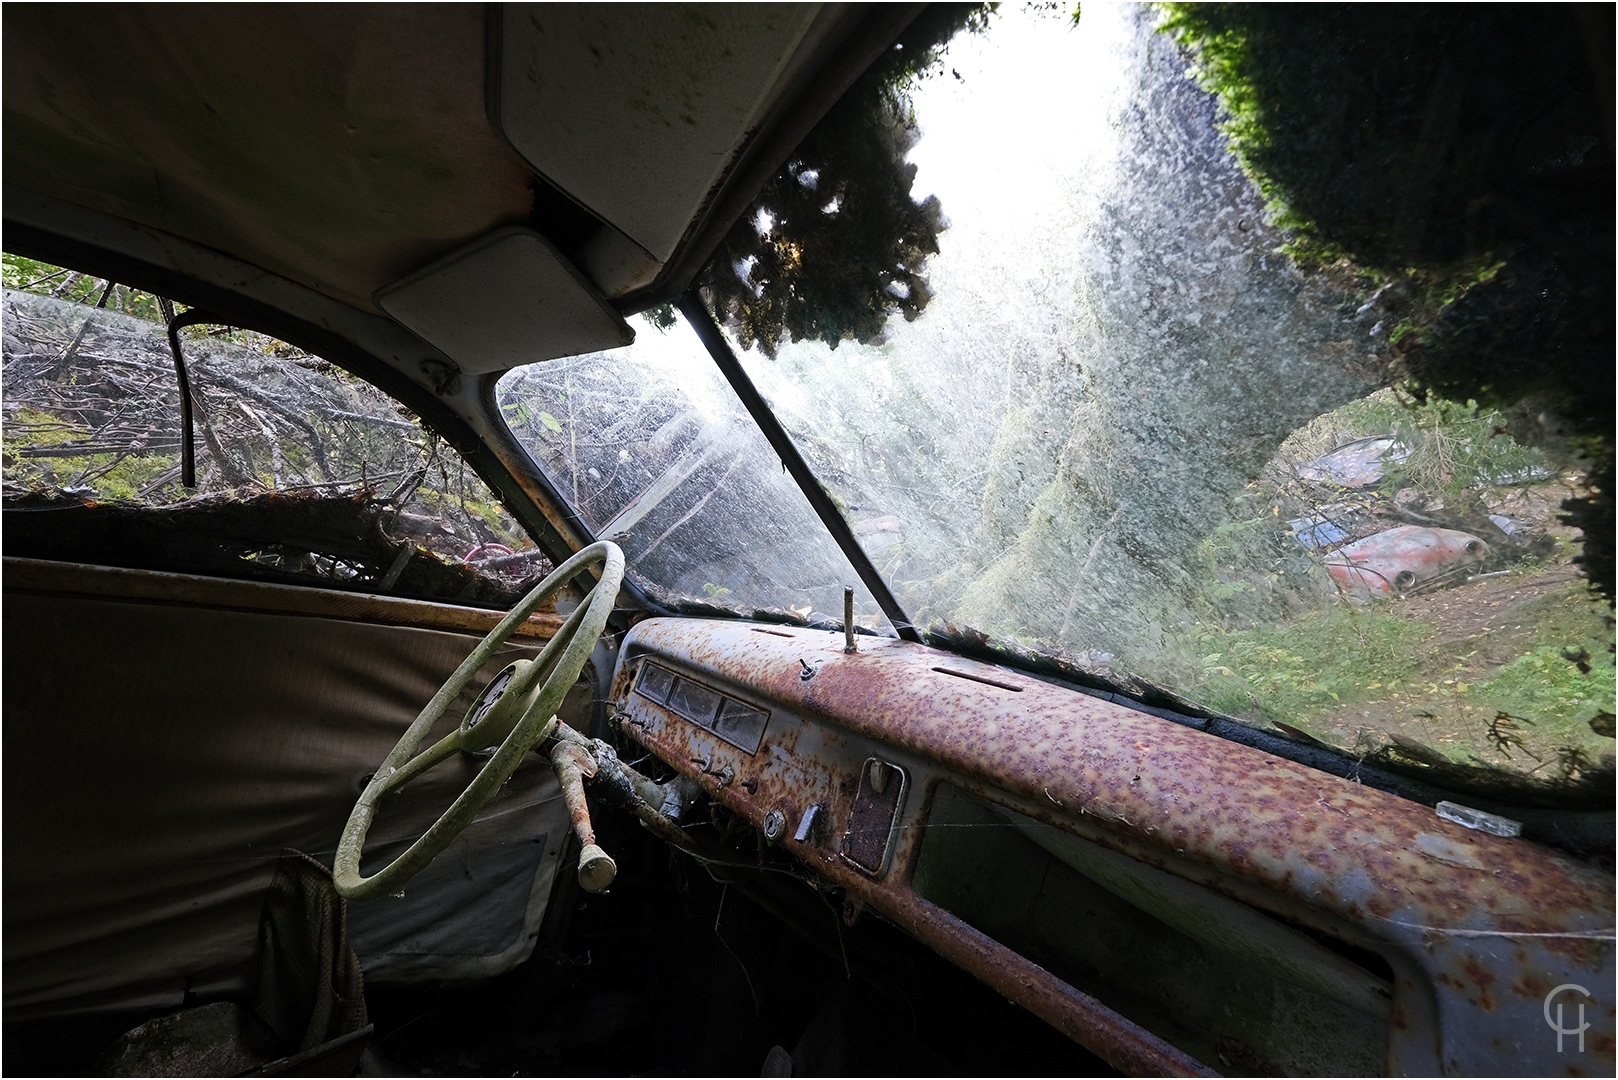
{"x":1317,"y":661}
{"x":1546,"y":688}
{"x":1345,"y":673}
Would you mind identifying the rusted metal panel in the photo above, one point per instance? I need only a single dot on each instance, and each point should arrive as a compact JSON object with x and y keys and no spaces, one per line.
{"x":1398,"y":560}
{"x":796,"y":771}
{"x":1473,"y":924}
{"x":79,"y":579}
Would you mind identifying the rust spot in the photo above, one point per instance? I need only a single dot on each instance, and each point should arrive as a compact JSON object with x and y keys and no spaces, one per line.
{"x":1484,"y":979}
{"x":1578,"y":950}
{"x":1532,"y":987}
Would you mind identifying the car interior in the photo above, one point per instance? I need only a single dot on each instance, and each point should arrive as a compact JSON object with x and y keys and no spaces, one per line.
{"x":490,"y":586}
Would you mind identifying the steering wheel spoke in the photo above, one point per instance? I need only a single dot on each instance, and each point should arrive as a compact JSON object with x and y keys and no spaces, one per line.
{"x":511,"y":719}
{"x":419,"y":764}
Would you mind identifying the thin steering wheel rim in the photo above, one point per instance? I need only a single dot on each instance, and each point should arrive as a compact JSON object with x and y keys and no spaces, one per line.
{"x":569,"y":648}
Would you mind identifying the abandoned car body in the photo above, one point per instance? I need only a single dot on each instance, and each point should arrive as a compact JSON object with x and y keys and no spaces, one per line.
{"x":1406,"y":558}
{"x":448,"y":213}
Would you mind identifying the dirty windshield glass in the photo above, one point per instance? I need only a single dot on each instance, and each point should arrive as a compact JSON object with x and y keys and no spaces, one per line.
{"x":1128,"y":433}
{"x":653,"y":449}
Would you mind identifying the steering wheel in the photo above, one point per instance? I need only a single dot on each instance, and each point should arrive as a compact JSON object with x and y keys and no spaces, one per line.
{"x":515,"y":712}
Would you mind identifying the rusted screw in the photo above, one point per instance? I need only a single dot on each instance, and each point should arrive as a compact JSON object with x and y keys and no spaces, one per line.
{"x":852,"y":910}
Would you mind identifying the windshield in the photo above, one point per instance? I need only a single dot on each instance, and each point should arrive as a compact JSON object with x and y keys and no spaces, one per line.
{"x":655,"y":452}
{"x":1126,"y":433}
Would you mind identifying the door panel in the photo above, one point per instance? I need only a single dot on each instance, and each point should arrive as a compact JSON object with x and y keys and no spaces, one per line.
{"x":160,"y":753}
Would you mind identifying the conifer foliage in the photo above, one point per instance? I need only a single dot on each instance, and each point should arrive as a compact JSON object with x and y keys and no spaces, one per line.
{"x":834,"y":243}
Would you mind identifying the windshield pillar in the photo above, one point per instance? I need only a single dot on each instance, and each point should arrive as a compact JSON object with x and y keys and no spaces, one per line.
{"x":696,"y":313}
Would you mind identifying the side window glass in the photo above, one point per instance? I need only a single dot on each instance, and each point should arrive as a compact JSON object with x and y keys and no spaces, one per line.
{"x":305,"y":474}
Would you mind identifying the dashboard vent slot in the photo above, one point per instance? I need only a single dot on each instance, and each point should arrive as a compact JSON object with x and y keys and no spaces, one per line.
{"x":975,"y":677}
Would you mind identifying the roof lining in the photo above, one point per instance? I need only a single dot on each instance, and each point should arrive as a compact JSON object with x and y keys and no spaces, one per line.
{"x":798,"y":110}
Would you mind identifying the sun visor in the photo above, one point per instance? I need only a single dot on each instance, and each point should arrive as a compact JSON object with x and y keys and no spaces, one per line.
{"x":639,"y":119}
{"x":506,"y":299}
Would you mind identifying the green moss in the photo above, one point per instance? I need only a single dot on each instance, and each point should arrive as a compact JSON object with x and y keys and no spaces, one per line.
{"x":115,"y":477}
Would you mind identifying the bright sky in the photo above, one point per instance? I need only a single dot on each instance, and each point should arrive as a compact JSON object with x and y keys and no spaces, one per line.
{"x":1003,"y":144}
{"x":1009,"y":148}
{"x":1016,"y":149}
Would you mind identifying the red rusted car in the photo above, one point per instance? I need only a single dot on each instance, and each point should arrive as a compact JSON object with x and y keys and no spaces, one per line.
{"x":1406,"y":559}
{"x":821,"y":714}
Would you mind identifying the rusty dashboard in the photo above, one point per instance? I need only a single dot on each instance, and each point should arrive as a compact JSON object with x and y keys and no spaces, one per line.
{"x":1060,"y":847}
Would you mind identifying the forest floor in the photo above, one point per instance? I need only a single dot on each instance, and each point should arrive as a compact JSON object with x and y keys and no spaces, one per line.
{"x":1509,"y":669}
{"x":1513,"y":668}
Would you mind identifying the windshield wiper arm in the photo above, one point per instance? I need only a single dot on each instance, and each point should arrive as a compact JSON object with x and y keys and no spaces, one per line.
{"x":696,"y":313}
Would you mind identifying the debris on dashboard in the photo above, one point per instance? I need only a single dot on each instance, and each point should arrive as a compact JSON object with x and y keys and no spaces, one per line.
{"x":1478,"y":819}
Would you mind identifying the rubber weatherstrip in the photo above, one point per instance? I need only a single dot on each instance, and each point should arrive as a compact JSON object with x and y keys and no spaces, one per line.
{"x":188,"y":439}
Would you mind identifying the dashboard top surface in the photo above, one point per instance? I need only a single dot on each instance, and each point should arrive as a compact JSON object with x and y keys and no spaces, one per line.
{"x":1147,"y":786}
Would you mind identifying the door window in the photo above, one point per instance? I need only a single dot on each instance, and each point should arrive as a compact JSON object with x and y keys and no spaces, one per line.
{"x":304,"y":473}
